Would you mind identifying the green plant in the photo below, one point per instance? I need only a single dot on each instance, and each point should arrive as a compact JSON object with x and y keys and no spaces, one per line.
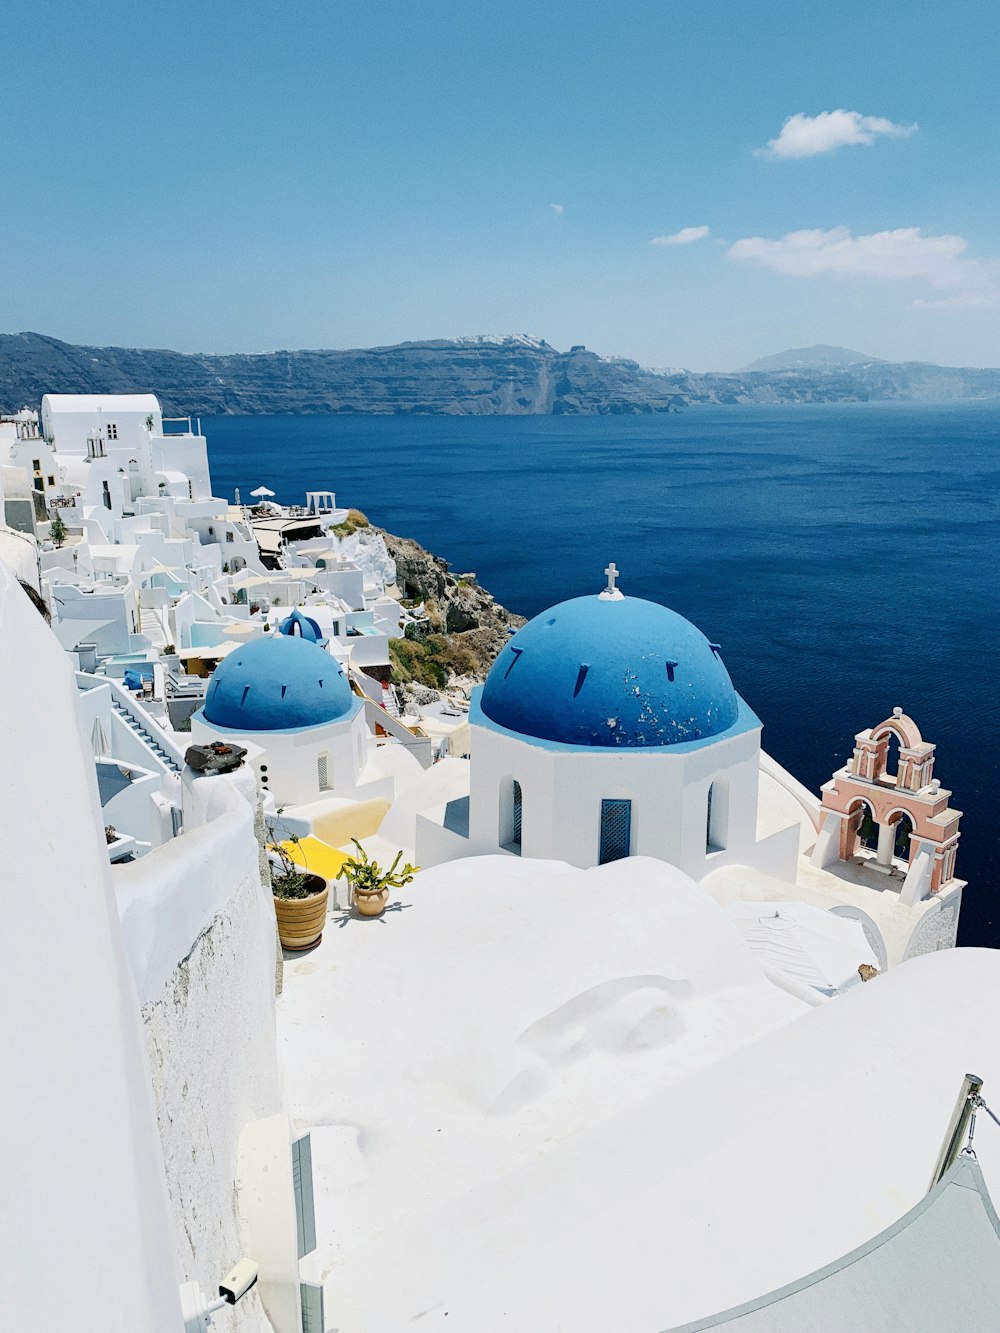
{"x":57,"y":529}
{"x":149,"y":422}
{"x":291,"y":880}
{"x":352,"y":523}
{"x":169,"y":650}
{"x":368,"y":876}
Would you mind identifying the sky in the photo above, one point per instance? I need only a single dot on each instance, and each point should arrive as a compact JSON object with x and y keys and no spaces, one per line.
{"x":684,"y":182}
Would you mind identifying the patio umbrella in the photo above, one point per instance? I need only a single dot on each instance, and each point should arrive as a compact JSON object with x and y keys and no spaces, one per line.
{"x":812,"y":946}
{"x":261,"y":493}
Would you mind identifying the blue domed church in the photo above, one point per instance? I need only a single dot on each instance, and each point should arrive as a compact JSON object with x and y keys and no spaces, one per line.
{"x":608,"y":727}
{"x":289,"y":703}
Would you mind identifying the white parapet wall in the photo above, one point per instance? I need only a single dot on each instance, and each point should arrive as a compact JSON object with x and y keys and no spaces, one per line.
{"x":200,"y":936}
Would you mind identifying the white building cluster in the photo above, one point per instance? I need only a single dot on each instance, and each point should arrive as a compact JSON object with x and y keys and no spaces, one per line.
{"x":634,"y":934}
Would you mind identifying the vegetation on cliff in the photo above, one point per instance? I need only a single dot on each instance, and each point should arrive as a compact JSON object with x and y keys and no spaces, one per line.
{"x":464,"y":627}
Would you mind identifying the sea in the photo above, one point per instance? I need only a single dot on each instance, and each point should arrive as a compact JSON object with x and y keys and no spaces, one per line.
{"x":846,"y":557}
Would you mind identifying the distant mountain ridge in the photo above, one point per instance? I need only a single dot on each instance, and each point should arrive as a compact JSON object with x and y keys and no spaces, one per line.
{"x":514,"y":375}
{"x":821,"y":356}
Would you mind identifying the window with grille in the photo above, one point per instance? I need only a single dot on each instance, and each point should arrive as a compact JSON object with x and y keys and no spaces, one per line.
{"x":323,"y":772}
{"x":616,"y":830}
{"x":112,"y":431}
{"x":515,"y":820}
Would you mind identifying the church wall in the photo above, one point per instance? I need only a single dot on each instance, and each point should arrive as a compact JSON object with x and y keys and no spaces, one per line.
{"x":287,"y":766}
{"x":562,"y":793}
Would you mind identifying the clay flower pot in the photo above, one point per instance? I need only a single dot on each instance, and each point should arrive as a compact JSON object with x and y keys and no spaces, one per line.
{"x":371,"y":902}
{"x":301,"y":920}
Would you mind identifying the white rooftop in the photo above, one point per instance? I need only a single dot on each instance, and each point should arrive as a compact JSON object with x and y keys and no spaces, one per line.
{"x":548,"y":1098}
{"x":102,"y":402}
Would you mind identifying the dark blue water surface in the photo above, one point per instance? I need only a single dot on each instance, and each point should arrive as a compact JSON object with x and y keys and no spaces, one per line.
{"x":845,"y":556}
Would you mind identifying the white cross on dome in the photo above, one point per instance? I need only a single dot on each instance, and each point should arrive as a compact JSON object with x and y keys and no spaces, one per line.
{"x":612,"y":593}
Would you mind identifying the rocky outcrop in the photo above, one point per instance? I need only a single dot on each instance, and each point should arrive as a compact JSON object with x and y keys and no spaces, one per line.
{"x":465,"y":629}
{"x":513,"y":376}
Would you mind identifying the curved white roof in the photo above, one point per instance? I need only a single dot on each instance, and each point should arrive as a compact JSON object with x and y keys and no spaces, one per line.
{"x":101,"y":402}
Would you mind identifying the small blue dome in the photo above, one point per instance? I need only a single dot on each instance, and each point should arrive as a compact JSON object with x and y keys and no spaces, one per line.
{"x":302,"y":626}
{"x":611,"y":672}
{"x":277,"y":684}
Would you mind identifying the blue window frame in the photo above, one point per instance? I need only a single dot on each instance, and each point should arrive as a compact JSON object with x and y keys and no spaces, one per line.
{"x":616,"y":830}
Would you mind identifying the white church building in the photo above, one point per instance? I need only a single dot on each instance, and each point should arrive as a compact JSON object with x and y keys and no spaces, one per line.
{"x":609,"y":727}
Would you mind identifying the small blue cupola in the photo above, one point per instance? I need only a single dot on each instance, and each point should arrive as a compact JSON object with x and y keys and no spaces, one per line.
{"x":302,"y":626}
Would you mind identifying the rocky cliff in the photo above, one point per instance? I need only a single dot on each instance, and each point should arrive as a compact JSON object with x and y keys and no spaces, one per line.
{"x":468,"y":376}
{"x":465,"y":627}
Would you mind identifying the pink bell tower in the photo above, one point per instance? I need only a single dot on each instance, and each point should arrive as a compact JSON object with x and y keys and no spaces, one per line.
{"x":899,"y":824}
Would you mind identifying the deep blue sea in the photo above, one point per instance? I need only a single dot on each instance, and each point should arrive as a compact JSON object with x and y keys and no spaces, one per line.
{"x":846,"y":557}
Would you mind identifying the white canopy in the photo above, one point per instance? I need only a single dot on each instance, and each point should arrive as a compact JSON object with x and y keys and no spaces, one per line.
{"x":261,"y":492}
{"x":814,"y":947}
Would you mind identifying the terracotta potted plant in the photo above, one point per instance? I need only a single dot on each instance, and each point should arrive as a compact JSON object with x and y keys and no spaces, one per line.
{"x":370,"y":884}
{"x":300,"y":899}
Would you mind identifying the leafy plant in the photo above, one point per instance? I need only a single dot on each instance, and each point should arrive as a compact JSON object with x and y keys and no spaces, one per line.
{"x":169,"y":649}
{"x":291,"y":880}
{"x":57,"y":529}
{"x":369,"y":877}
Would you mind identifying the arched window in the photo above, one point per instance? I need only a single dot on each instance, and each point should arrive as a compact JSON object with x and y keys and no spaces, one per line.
{"x":902,"y":833}
{"x":866,"y":826}
{"x":510,"y":810}
{"x":716,"y":816}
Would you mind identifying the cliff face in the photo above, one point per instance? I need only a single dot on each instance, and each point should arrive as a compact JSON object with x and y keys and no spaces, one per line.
{"x":474,"y":376}
{"x":467,"y":627}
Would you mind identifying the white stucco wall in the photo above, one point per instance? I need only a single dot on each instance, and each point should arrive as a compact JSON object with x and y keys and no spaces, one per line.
{"x":562,"y":791}
{"x":86,"y":1236}
{"x":200,"y":936}
{"x":287,"y":764}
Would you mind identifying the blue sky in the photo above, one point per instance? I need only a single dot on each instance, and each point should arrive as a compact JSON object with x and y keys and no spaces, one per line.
{"x":216,"y":176}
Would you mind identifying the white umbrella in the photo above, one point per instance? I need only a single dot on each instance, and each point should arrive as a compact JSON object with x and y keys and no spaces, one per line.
{"x":806,"y":943}
{"x":261,"y":492}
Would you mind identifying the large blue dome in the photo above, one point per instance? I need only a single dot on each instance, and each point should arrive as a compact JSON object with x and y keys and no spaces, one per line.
{"x":599,"y":671}
{"x":277,"y":684}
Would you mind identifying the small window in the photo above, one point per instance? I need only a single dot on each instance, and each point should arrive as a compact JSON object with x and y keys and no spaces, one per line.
{"x":36,"y":465}
{"x":515,"y":819}
{"x":229,"y":536}
{"x":716,"y":817}
{"x":112,"y":431}
{"x":107,"y":495}
{"x":323,"y":772}
{"x":52,"y":481}
{"x":616,"y":830}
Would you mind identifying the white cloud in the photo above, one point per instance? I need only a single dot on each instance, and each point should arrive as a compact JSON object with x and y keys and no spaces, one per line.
{"x":557,"y":209}
{"x":686,"y":236}
{"x":905,"y":253}
{"x":805,"y":136}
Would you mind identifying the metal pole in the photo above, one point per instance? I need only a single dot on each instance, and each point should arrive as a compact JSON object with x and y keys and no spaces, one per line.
{"x":957,"y":1125}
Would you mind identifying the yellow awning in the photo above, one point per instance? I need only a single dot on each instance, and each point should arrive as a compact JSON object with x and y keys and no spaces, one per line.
{"x":316,"y":856}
